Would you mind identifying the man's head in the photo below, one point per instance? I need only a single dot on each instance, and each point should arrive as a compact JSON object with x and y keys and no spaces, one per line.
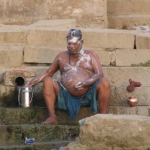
{"x":74,"y":40}
{"x":75,"y":33}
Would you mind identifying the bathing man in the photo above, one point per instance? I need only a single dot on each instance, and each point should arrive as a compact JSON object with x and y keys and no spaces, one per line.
{"x":82,"y":80}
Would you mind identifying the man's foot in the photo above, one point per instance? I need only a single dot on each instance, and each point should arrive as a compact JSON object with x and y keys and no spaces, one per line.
{"x":132,"y":85}
{"x":50,"y":120}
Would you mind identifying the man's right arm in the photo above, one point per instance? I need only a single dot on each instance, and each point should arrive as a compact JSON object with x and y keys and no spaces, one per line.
{"x":48,"y":73}
{"x":37,"y":79}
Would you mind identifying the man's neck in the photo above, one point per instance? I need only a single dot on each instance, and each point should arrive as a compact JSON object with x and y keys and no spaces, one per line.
{"x":77,"y":55}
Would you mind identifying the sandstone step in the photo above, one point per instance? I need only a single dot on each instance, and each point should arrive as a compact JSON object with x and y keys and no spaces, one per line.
{"x":16,"y":134}
{"x":118,"y":132}
{"x":143,"y":40}
{"x":118,"y":76}
{"x":10,"y":116}
{"x":128,"y":7}
{"x":132,"y":57}
{"x":56,"y":37}
{"x":8,"y":55}
{"x":35,"y":115}
{"x":38,"y":54}
{"x":27,"y":12}
{"x":127,"y":110}
{"x":120,"y":95}
{"x":68,"y":23}
{"x":47,"y":55}
{"x":52,"y":145}
{"x":128,"y":21}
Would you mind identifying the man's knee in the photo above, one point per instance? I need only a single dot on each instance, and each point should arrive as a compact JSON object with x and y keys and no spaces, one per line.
{"x":103,"y":83}
{"x":48,"y":81}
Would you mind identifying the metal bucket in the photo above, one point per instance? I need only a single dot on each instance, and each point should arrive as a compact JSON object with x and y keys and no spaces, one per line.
{"x":25,"y":96}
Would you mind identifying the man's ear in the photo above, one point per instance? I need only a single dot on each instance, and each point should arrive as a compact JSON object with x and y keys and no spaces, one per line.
{"x":82,"y":41}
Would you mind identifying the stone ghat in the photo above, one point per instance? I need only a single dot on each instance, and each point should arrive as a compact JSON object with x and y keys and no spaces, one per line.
{"x":89,"y":13}
{"x":113,"y":132}
{"x":127,"y":14}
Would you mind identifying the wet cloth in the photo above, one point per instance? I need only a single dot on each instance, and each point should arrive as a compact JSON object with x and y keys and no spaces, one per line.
{"x":72,"y":103}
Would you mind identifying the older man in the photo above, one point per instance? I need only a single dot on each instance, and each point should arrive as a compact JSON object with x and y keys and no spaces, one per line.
{"x":82,"y":80}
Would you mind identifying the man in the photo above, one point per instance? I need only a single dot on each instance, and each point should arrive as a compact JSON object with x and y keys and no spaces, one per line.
{"x":82,"y":80}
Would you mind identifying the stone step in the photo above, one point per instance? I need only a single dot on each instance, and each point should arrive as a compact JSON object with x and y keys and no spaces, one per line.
{"x":35,"y":115}
{"x":143,"y":40}
{"x":133,"y":56}
{"x":11,"y":116}
{"x":16,"y":134}
{"x":128,"y":21}
{"x":56,"y":37}
{"x":127,"y":110}
{"x":127,"y":14}
{"x":27,"y":12}
{"x":118,"y":76}
{"x":8,"y":55}
{"x":128,"y":7}
{"x":120,"y":95}
{"x":46,"y":55}
{"x":60,"y":23}
{"x":52,"y":145}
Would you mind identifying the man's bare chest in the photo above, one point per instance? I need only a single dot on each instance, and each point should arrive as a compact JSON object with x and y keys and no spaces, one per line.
{"x":70,"y":64}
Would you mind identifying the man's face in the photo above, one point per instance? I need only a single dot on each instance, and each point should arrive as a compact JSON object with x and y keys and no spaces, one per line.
{"x":74,"y":45}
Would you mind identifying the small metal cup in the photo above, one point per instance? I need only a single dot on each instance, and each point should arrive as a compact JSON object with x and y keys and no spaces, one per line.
{"x":26,"y":96}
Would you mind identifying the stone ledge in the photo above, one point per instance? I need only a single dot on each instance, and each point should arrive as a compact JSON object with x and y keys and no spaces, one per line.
{"x":16,"y":134}
{"x":8,"y":56}
{"x":37,"y":54}
{"x":52,"y":145}
{"x":116,"y":132}
{"x":120,"y":95}
{"x":128,"y":21}
{"x":128,"y":7}
{"x":119,"y":76}
{"x":143,"y":41}
{"x":56,"y":37}
{"x":122,"y":110}
{"x":11,"y":76}
{"x":35,"y":115}
{"x":127,"y":57}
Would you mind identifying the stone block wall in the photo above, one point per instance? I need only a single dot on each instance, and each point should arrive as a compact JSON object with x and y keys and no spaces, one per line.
{"x":91,"y":13}
{"x":125,"y":14}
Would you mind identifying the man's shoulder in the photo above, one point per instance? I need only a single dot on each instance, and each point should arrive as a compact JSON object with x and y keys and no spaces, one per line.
{"x":90,"y":52}
{"x":62,"y":53}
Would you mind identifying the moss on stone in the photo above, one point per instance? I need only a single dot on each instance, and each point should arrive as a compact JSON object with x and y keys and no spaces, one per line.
{"x":146,"y":64}
{"x":9,"y":99}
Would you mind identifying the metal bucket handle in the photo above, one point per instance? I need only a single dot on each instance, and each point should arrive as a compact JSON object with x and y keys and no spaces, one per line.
{"x":19,"y":89}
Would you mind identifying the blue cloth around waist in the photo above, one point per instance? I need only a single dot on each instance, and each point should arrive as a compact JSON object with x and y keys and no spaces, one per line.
{"x":72,"y":103}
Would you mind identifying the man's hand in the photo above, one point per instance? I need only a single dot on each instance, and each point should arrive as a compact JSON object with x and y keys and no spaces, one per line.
{"x":79,"y":86}
{"x":27,"y":85}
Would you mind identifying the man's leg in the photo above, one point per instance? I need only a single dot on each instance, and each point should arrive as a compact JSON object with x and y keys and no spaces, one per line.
{"x":50,"y":92}
{"x":103,"y":91}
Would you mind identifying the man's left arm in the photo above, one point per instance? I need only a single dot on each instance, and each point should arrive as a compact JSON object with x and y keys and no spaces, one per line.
{"x":97,"y":72}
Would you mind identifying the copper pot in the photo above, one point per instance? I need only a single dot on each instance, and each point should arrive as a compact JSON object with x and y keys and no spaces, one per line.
{"x":132,"y":101}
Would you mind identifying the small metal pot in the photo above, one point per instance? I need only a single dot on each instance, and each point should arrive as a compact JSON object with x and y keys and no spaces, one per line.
{"x":25,"y":96}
